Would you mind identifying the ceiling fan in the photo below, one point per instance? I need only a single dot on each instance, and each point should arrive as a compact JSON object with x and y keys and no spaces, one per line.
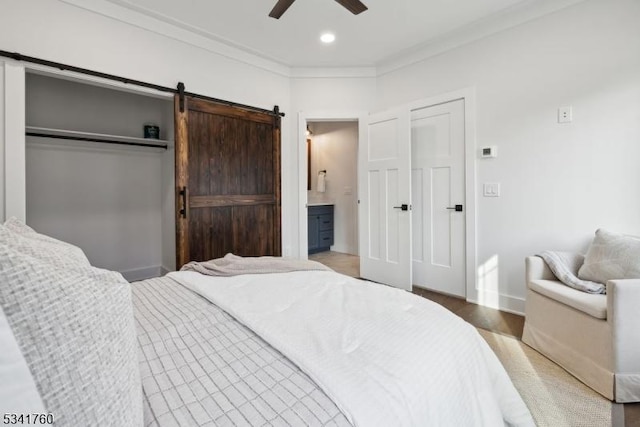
{"x":354,"y":6}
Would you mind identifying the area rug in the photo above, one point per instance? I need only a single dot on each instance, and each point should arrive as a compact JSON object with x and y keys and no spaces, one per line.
{"x":554,"y":397}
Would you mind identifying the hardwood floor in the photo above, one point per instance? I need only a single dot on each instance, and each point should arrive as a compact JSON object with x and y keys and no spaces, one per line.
{"x":347,"y":264}
{"x":479,"y":316}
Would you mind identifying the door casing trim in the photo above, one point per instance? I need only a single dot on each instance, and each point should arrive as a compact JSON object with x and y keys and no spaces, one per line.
{"x":319,"y":116}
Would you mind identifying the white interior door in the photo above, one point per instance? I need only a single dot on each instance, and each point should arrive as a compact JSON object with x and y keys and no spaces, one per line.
{"x":438,"y":186}
{"x":385,"y":199}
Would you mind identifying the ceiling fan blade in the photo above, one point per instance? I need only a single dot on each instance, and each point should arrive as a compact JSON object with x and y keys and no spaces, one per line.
{"x":280,"y":8}
{"x":354,"y":6}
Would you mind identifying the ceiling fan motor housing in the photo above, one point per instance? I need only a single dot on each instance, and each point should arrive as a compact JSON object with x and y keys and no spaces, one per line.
{"x":354,"y":6}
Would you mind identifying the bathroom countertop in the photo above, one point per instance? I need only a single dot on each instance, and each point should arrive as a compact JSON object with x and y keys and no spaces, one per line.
{"x":320,"y":203}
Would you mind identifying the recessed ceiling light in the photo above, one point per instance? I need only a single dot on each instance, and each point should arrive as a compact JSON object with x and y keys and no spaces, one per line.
{"x":328,"y":38}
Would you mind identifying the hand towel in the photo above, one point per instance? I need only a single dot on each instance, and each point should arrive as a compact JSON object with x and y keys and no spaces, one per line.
{"x":321,"y":182}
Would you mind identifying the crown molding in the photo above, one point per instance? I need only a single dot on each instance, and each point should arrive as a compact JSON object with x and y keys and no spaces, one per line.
{"x":167,"y":27}
{"x":125,"y":12}
{"x":508,"y":18}
{"x":331,"y":72}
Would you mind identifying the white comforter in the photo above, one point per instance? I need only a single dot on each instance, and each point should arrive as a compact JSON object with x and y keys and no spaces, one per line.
{"x":386,"y":357}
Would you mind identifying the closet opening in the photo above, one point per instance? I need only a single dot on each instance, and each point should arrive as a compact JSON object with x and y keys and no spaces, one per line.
{"x":115,"y":200}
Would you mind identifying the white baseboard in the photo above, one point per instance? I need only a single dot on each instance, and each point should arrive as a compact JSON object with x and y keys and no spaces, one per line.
{"x":142,"y":273}
{"x":344,"y":250}
{"x":500,"y":302}
{"x":164,"y":270}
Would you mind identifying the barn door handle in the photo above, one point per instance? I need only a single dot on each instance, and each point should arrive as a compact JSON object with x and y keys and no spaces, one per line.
{"x":183,"y":195}
{"x":457,"y":208}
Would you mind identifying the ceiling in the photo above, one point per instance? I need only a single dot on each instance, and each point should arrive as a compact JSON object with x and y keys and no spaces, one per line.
{"x":387,"y":30}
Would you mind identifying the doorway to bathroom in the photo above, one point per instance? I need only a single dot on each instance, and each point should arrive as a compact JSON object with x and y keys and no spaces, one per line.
{"x":332,"y":194}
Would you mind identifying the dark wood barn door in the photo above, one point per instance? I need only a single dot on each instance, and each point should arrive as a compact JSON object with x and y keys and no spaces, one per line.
{"x":227,"y":182}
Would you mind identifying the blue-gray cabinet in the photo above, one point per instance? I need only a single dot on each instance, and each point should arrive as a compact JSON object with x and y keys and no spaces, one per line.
{"x":320,"y":228}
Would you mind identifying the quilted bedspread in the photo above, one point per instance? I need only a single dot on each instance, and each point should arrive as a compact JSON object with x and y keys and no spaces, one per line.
{"x":384,"y":356}
{"x":200,"y":367}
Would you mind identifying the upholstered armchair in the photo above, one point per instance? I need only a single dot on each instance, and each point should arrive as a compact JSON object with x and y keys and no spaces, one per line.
{"x":595,"y":337}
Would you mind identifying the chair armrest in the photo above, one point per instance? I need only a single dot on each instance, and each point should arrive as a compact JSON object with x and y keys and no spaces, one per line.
{"x":623,"y":312}
{"x":537,"y":269}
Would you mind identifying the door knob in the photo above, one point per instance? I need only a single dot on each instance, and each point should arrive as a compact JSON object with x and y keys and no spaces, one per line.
{"x":457,"y":208}
{"x":402,"y":207}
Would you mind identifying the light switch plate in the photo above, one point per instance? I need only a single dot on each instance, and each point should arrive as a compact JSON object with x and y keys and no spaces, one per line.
{"x":491,"y":189}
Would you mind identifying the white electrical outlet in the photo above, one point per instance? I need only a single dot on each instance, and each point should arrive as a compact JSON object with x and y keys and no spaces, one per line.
{"x":565,"y":114}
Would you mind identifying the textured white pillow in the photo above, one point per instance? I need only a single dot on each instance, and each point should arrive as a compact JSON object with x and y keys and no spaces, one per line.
{"x":77,"y":334}
{"x":20,"y":227}
{"x":611,"y":256}
{"x":42,"y":246}
{"x":56,"y":256}
{"x":18,"y":392}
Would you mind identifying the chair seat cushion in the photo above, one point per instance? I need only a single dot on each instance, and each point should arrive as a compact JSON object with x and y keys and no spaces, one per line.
{"x":594,"y":305}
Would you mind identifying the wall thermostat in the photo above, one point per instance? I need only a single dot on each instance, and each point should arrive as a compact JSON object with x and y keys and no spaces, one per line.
{"x":488,"y":152}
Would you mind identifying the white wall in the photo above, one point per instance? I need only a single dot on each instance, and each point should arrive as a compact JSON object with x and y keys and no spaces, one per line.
{"x":559,"y":181}
{"x":75,"y":36}
{"x":320,"y":98}
{"x":106,"y":199}
{"x":334,"y":148}
{"x":333,"y":95}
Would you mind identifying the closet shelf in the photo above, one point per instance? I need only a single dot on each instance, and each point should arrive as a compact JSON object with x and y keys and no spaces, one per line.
{"x":96,"y":137}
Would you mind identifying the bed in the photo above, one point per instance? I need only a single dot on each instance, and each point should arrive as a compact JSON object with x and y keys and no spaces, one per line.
{"x":199,"y":366}
{"x":306,"y":346}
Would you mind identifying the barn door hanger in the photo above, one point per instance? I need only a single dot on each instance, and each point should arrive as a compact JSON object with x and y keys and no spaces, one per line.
{"x":276,"y":116}
{"x":181,"y":96}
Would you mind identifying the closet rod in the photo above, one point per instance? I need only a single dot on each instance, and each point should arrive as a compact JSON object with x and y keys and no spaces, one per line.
{"x":19,"y":57}
{"x":103,"y":141}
